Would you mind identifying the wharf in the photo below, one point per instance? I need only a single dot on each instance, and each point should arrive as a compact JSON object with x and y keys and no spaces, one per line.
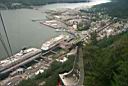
{"x":21,"y":60}
{"x":53,"y":24}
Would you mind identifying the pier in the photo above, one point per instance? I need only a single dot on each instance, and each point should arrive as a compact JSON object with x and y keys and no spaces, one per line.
{"x":26,"y":56}
{"x":7,"y":68}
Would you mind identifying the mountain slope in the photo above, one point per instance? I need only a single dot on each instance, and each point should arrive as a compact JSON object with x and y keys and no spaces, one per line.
{"x":116,"y":8}
{"x":39,"y":2}
{"x":107,"y":65}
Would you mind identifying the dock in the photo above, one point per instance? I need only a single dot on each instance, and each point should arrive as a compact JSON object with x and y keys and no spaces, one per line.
{"x":24,"y":57}
{"x":22,"y":60}
{"x":53,"y":24}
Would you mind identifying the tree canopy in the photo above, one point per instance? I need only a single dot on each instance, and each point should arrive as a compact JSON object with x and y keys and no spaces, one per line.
{"x":107,"y":65}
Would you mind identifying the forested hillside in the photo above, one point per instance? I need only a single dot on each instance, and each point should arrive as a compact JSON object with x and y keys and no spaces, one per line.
{"x":116,"y":8}
{"x":106,"y":62}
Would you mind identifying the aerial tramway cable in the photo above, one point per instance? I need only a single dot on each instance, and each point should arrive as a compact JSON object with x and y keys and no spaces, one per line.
{"x":4,"y":45}
{"x":6,"y":34}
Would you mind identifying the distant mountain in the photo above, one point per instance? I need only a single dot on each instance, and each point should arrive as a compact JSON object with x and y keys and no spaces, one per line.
{"x":37,"y":2}
{"x":26,"y":3}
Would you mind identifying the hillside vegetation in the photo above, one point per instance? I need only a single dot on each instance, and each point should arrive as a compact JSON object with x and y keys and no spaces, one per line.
{"x":106,"y":62}
{"x":116,"y":8}
{"x":50,"y":77}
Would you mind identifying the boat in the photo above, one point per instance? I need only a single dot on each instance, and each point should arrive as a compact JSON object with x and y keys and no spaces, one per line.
{"x":52,"y":43}
{"x":23,"y":55}
{"x":60,"y":30}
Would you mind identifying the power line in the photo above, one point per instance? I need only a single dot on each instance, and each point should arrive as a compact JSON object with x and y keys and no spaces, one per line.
{"x":6,"y":34}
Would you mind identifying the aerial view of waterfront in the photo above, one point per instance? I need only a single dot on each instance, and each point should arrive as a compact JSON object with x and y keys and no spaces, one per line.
{"x":22,"y":31}
{"x":19,"y":22}
{"x":63,"y":43}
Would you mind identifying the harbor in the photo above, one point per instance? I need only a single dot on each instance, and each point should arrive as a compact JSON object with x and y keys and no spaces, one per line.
{"x":14,"y":67}
{"x":30,"y":62}
{"x":53,"y":24}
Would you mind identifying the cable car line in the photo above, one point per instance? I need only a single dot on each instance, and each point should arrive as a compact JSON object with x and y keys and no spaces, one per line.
{"x":6,"y":34}
{"x":4,"y":45}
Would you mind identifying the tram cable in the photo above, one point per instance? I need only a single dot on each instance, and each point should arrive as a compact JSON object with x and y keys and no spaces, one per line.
{"x":6,"y":34}
{"x":4,"y":45}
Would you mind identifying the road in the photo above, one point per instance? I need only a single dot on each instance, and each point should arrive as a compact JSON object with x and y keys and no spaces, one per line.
{"x":81,"y":66}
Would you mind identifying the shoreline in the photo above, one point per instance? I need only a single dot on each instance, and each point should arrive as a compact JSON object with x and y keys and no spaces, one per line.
{"x":55,"y":4}
{"x":77,"y":5}
{"x":80,"y":4}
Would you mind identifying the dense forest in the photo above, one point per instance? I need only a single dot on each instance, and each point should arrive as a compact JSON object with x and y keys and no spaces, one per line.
{"x":116,"y":8}
{"x":106,"y":62}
